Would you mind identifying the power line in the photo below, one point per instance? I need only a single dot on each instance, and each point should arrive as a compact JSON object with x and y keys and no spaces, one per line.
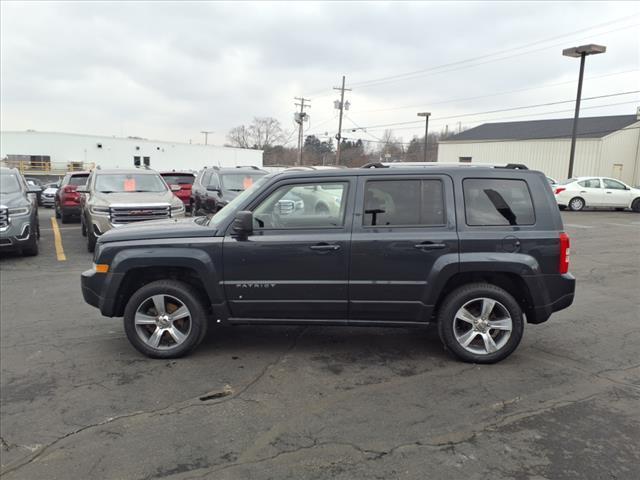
{"x":442,"y":102}
{"x":430,"y":71}
{"x":366,"y":82}
{"x":413,"y":122}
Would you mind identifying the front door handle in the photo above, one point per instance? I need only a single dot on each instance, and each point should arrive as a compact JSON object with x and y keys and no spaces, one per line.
{"x":430,"y":246}
{"x":325,"y":247}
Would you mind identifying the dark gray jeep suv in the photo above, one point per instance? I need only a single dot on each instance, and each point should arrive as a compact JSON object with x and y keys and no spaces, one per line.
{"x":478,"y":251}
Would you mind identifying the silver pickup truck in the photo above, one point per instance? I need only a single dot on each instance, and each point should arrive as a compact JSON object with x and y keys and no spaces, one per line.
{"x":112,"y":198}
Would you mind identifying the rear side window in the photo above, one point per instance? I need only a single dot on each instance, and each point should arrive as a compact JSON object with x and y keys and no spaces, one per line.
{"x":403,"y":203}
{"x":490,"y":202}
{"x":590,"y":183}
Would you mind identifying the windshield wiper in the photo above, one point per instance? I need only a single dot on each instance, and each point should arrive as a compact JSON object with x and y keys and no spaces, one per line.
{"x":106,"y":191}
{"x":235,"y":189}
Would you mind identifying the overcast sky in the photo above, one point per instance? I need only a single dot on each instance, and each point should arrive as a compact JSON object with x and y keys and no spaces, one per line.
{"x":169,"y":70}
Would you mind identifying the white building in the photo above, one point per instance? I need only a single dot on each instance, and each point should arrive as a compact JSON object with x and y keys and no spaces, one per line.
{"x":39,"y":151}
{"x":606,"y":146}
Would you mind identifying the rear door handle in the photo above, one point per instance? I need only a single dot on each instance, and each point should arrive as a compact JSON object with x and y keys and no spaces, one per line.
{"x":325,"y":247}
{"x":430,"y":246}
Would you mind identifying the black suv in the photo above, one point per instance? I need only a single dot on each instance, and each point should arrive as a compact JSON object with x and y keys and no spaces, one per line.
{"x":479,"y":251}
{"x":215,"y":187}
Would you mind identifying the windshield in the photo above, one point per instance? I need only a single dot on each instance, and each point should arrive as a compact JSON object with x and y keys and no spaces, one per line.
{"x":129,"y":182}
{"x":9,"y":183}
{"x":231,"y":208}
{"x":78,"y":179}
{"x":177,"y":179}
{"x":238,"y":182}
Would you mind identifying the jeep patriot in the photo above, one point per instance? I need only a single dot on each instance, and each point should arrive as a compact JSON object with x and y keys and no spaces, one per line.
{"x":479,"y":251}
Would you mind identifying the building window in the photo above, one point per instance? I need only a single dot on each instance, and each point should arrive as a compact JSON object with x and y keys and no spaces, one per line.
{"x":464,"y":159}
{"x":136,"y":161}
{"x":147,"y":161}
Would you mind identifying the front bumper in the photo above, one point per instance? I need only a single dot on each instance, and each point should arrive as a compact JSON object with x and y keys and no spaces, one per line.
{"x":95,"y":290}
{"x":48,"y":201}
{"x":17,"y":233}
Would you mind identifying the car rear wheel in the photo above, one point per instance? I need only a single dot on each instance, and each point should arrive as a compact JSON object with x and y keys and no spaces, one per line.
{"x":165,"y":319}
{"x":480,"y":323}
{"x":635,"y":206}
{"x":576,"y":204}
{"x":57,"y":210}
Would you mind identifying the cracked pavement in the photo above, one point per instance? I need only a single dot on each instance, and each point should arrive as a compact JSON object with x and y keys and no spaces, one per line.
{"x":78,"y":402}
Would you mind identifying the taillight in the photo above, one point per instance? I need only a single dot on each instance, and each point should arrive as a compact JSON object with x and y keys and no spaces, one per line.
{"x":564,"y":253}
{"x":559,"y":190}
{"x":69,"y":189}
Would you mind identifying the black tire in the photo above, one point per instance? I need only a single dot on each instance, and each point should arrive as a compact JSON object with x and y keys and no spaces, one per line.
{"x":183,"y":293}
{"x":31,"y":250}
{"x":467,"y":295}
{"x":91,"y":240}
{"x":619,"y":209}
{"x":635,"y":206}
{"x":576,"y":204}
{"x":83,"y":227}
{"x":57,"y":210}
{"x":562,"y":207}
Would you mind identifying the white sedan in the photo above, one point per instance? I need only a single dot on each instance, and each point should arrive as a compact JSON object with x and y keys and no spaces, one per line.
{"x":598,"y":192}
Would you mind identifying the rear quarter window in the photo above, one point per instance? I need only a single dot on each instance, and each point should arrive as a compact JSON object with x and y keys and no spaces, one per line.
{"x":495,"y":202}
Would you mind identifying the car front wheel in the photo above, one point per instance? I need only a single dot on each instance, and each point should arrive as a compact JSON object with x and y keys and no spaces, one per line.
{"x":480,"y":323}
{"x":165,"y":319}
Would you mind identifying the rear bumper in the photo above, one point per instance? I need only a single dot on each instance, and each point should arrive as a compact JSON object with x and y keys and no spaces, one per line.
{"x":70,"y":209}
{"x":556,"y":293}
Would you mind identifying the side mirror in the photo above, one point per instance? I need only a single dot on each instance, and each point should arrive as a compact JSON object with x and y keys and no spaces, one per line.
{"x":34,"y":189}
{"x":214,"y":188}
{"x":174,"y":188}
{"x":243,"y":223}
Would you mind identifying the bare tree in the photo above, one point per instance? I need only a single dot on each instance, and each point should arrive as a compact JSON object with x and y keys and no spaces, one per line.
{"x":239,"y":137}
{"x":263,"y":132}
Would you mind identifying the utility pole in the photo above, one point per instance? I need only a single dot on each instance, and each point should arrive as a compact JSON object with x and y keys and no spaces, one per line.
{"x":300,"y":118}
{"x":341,"y":106}
{"x":426,"y":131}
{"x":206,"y":135}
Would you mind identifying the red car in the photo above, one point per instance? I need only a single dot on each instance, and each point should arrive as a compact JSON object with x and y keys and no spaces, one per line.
{"x":184,"y":180}
{"x":67,"y":201}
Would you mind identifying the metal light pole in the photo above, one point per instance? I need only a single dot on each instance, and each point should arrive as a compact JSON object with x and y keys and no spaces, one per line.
{"x":206,"y":135}
{"x":579,"y":52}
{"x":426,"y":131}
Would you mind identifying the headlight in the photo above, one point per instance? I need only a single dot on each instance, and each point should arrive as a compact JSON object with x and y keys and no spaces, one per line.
{"x":177,"y":209}
{"x":18,"y":211}
{"x":96,"y":210}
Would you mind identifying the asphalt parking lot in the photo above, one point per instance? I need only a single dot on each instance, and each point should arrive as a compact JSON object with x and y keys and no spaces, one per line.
{"x":77,"y":401}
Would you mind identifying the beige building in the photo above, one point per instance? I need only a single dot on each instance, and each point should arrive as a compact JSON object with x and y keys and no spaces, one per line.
{"x":606,"y":146}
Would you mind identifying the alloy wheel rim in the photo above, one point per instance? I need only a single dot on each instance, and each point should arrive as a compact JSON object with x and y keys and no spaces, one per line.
{"x":482,"y":326}
{"x":576,"y":203}
{"x":163,"y":322}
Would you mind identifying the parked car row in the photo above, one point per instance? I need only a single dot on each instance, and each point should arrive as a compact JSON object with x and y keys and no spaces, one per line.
{"x":19,"y":224}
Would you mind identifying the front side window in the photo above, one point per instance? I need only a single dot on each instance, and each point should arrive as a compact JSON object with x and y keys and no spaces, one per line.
{"x":129,"y":182}
{"x":590,"y":183}
{"x":403,"y":203}
{"x":491,"y":202}
{"x":309,"y":205}
{"x":613,"y":184}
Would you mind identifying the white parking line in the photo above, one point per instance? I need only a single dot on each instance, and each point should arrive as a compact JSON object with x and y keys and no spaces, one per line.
{"x":623,"y":224}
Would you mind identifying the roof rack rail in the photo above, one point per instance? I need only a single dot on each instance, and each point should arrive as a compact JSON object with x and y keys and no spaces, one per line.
{"x":374,"y":165}
{"x":515,"y":166}
{"x":253,"y":167}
